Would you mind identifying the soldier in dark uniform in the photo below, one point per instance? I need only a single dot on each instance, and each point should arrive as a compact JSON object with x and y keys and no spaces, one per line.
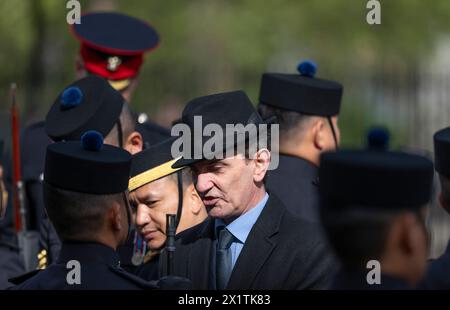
{"x":306,"y":109}
{"x":87,"y":104}
{"x":85,"y":193}
{"x":11,"y":260}
{"x":436,"y":277}
{"x":373,"y":206}
{"x":157,"y":189}
{"x":113,"y":47}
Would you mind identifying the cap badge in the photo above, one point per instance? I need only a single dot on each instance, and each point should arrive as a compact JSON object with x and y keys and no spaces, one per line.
{"x":113,"y":63}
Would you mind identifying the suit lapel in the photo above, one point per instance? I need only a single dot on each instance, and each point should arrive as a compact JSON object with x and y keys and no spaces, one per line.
{"x":199,"y":257}
{"x":258,"y":247}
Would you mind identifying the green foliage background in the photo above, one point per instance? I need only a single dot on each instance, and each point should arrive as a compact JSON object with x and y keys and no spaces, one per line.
{"x":210,"y":46}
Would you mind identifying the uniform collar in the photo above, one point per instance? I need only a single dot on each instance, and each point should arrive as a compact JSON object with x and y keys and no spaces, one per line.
{"x":307,"y":167}
{"x":289,"y":157}
{"x":88,"y":252}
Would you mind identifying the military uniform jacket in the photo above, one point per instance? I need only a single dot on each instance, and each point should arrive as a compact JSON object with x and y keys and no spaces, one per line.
{"x":281,"y":252}
{"x":150,"y":270}
{"x":295,"y":182}
{"x":438,"y":271}
{"x":99,"y":269}
{"x":48,"y":241}
{"x":357,"y":280}
{"x":34,"y":146}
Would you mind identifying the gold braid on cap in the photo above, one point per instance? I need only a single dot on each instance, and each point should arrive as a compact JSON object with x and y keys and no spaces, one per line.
{"x":152,"y":174}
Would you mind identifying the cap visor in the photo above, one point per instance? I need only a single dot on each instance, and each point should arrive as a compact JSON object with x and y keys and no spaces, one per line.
{"x":183,"y":162}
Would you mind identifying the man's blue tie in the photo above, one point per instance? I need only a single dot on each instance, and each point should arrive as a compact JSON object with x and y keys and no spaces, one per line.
{"x":223,"y":259}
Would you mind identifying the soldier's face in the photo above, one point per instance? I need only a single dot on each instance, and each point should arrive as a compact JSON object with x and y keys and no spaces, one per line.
{"x":226,"y":186}
{"x":153,"y":201}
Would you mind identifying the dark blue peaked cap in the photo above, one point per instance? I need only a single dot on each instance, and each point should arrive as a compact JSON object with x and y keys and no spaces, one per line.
{"x":116,"y":33}
{"x":387,"y":180}
{"x":442,"y":151}
{"x":87,"y":166}
{"x":87,"y":104}
{"x":302,"y":93}
{"x":152,"y":133}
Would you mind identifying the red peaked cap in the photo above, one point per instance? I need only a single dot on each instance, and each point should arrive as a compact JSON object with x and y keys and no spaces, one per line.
{"x":98,"y":63}
{"x":113,"y":44}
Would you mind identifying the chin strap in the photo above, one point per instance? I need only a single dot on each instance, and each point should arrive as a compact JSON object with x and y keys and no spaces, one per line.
{"x":333,"y":131}
{"x":120,"y":133}
{"x":180,"y":197}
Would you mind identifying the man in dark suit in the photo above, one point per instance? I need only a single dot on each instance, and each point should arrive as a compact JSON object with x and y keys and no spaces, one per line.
{"x":306,"y":109}
{"x":373,"y":206}
{"x":249,"y":240}
{"x":436,"y":277}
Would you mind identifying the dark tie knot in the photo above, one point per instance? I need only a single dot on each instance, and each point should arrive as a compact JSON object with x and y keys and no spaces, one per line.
{"x":225,"y":239}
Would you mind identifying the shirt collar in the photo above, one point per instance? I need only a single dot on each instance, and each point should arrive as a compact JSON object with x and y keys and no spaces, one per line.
{"x":240,"y":227}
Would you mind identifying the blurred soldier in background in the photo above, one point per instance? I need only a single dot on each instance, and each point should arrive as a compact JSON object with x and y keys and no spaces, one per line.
{"x":307,"y":110}
{"x":373,"y":213}
{"x":112,"y":46}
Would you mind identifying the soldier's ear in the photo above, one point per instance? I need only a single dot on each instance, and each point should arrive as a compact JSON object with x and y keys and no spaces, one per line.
{"x":410,"y":233}
{"x":134,"y":143}
{"x":262,"y":161}
{"x":318,"y":134}
{"x":115,"y":216}
{"x":397,"y":237}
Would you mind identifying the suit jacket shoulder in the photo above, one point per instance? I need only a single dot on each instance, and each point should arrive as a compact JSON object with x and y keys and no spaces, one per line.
{"x":281,"y":252}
